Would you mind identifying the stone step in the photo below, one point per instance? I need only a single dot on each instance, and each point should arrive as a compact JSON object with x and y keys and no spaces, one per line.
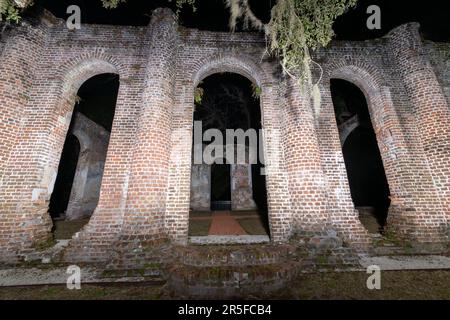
{"x":229,"y":240}
{"x":47,"y":256}
{"x":210,"y":256}
{"x":230,"y":282}
{"x":388,"y":250}
{"x":154,"y":276}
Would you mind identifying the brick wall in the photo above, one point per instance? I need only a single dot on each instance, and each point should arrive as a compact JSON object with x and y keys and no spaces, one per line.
{"x":145,"y":191}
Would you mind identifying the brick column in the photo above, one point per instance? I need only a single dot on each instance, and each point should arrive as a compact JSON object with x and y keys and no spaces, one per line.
{"x":278,"y":196}
{"x":432,"y":115}
{"x":178,"y":196}
{"x":303,"y":163}
{"x":19,"y":63}
{"x":344,"y":217}
{"x":146,"y":202}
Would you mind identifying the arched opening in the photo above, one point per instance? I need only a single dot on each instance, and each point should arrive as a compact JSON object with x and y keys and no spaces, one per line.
{"x":228,"y":195}
{"x":366,"y":175}
{"x":77,"y":188}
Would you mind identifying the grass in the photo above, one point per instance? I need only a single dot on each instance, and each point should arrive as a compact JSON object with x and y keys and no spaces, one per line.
{"x":253,"y":226}
{"x":199,"y":228}
{"x":200,"y":214}
{"x":65,"y":229}
{"x":395,"y":285}
{"x":87,"y":292}
{"x":238,"y":214}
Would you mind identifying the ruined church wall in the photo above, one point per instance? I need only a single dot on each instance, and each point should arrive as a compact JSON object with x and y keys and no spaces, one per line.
{"x":417,"y":212}
{"x":19,"y":68}
{"x":145,"y":192}
{"x":200,"y":54}
{"x":62,"y":63}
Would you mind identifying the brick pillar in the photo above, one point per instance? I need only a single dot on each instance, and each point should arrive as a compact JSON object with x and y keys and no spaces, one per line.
{"x":179,"y":180}
{"x":145,"y":209}
{"x":303,"y":163}
{"x":241,"y":188}
{"x":19,"y":62}
{"x":432,"y":115}
{"x":278,"y":196}
{"x":344,"y":217}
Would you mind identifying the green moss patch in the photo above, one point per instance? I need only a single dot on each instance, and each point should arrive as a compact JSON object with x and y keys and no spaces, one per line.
{"x":65,"y":229}
{"x":198,"y":228}
{"x":253,"y":226}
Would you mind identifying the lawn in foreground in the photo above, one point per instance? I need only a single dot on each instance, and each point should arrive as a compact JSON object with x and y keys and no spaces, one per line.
{"x":332,"y":285}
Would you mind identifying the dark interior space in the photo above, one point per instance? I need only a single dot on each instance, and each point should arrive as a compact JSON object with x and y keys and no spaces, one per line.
{"x":220,"y":187}
{"x":64,"y":180}
{"x":96,"y":100}
{"x":228,"y":102}
{"x":259,"y":188}
{"x":367,"y":179}
{"x":231,"y":101}
{"x":213,"y":15}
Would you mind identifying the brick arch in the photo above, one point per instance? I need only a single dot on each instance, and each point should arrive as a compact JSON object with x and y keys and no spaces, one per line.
{"x":77,"y":71}
{"x":368,"y":81}
{"x":372,"y":84}
{"x":279,"y":220}
{"x":359,"y":69}
{"x":232,"y":63}
{"x":387,"y":127}
{"x":70,"y":77}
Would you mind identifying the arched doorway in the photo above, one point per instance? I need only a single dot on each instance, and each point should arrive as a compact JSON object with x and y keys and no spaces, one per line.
{"x":80,"y":171}
{"x":366,"y":175}
{"x":229,"y":105}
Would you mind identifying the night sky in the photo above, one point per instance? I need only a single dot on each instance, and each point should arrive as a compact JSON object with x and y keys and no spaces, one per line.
{"x":212,"y":15}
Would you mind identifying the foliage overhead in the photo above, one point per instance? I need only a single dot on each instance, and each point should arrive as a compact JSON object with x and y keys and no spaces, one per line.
{"x":10,"y":9}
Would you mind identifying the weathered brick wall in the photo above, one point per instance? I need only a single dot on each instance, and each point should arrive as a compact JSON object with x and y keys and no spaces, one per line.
{"x":19,"y":66}
{"x":145,"y":191}
{"x":431,"y":113}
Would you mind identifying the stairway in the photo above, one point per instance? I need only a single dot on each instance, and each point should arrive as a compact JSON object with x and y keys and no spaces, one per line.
{"x":231,"y":271}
